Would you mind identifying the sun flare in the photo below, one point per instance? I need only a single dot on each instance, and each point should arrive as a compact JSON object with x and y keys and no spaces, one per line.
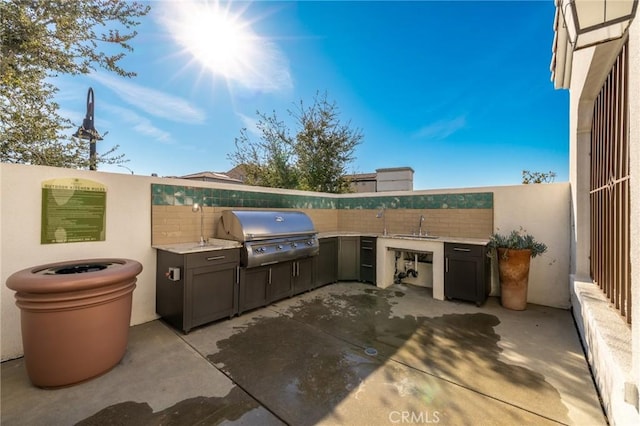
{"x":224,"y":44}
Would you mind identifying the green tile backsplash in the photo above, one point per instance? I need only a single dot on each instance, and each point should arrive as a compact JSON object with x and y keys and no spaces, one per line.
{"x":176,"y":195}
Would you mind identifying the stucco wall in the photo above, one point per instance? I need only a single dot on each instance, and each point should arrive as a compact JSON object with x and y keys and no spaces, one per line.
{"x":542,"y":210}
{"x":128,"y":235}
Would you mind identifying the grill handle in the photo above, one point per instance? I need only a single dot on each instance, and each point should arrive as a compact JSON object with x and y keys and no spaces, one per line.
{"x":259,"y":237}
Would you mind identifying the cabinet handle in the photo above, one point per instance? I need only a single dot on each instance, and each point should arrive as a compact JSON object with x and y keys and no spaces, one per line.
{"x":446,"y":264}
{"x":297,"y":269}
{"x":461,"y":249}
{"x":367,"y":241}
{"x":293,"y":269}
{"x":367,"y":248}
{"x":269,"y":276}
{"x":215,"y":258}
{"x":364,"y":265}
{"x":238,"y":274}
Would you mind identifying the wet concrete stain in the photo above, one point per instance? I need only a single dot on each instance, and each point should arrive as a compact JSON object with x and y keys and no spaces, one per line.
{"x":301,"y":366}
{"x":283,"y":367}
{"x":199,"y":410}
{"x":384,"y":293}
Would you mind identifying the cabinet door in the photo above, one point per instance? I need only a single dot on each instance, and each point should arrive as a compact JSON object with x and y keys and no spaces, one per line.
{"x":211,"y":294}
{"x":460,"y":278}
{"x":253,"y":288}
{"x":326,"y":262}
{"x":303,"y":278}
{"x":280,"y":281}
{"x":368,"y":259}
{"x":348,"y":259}
{"x":465,"y":275}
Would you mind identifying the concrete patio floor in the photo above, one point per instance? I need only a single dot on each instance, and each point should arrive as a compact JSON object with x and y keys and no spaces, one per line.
{"x":348,"y":353}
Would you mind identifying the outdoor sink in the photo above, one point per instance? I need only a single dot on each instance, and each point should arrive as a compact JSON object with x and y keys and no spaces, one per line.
{"x":219,"y":242}
{"x":216,"y":243}
{"x":422,"y":237}
{"x":211,"y":244}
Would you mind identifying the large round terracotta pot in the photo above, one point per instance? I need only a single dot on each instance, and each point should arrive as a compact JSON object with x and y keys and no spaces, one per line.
{"x":74,"y":317}
{"x":513,"y":266}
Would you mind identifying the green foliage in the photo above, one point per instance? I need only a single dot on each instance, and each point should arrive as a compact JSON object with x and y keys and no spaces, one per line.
{"x":267,"y":161}
{"x":40,"y":40}
{"x":315,"y":159}
{"x":517,"y":240}
{"x":537,"y":177}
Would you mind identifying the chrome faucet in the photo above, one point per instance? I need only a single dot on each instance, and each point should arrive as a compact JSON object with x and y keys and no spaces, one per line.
{"x":420,"y":226}
{"x":379,"y":215}
{"x":194,"y":209}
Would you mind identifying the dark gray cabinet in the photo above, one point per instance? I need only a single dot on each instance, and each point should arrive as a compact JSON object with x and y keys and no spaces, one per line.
{"x":368,"y":259}
{"x":254,"y":283}
{"x":281,"y":285}
{"x":206,"y":289}
{"x":264,"y":284}
{"x":302,"y":275}
{"x":349,"y":259}
{"x":467,"y":272}
{"x":267,"y":284}
{"x":326,"y":262}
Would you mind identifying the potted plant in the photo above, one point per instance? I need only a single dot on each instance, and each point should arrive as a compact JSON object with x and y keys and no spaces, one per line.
{"x":514,"y":253}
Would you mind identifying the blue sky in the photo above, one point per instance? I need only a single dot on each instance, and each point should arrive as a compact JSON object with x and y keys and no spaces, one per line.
{"x":459,"y":91}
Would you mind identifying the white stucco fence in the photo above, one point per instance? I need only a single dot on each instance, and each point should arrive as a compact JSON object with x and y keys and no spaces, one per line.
{"x":543,"y":210}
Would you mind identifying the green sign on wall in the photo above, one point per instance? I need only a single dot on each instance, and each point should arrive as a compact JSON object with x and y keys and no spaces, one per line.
{"x":73,"y":210}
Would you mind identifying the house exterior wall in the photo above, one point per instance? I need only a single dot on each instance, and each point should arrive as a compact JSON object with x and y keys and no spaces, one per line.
{"x":613,"y":348}
{"x":634,"y":141}
{"x":363,"y":186}
{"x":394,"y":179}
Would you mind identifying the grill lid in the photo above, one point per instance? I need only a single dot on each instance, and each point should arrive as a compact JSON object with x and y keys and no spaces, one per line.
{"x":254,"y":225}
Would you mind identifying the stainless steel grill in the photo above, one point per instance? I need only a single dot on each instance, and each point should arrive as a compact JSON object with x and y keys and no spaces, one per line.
{"x":269,"y":237}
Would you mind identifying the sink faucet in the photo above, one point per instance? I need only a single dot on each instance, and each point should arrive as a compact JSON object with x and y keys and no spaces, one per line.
{"x":420,"y":226}
{"x":194,"y":209}
{"x":379,"y":215}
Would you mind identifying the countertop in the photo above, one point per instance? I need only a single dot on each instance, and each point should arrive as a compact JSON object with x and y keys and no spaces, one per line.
{"x":194,"y":247}
{"x":220,"y":244}
{"x":443,"y":239}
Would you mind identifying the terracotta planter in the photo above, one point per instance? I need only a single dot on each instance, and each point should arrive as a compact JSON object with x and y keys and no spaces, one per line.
{"x":513,"y":266}
{"x":74,"y":317}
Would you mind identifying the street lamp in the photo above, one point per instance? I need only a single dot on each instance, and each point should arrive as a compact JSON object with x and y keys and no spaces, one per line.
{"x":125,"y":167}
{"x":591,"y":22}
{"x":88,"y":130}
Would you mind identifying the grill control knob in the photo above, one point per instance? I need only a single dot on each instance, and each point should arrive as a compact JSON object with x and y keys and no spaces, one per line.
{"x":310,"y":242}
{"x":278,"y":247}
{"x":294,"y":245}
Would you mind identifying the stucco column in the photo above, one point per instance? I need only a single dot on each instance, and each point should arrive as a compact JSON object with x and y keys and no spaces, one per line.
{"x":580,"y":265}
{"x":634,"y":151}
{"x":581,"y":113}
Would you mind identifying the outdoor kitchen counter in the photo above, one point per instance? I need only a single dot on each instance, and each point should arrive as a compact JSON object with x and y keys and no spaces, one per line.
{"x":388,"y":244}
{"x":441,"y":239}
{"x":195,"y":247}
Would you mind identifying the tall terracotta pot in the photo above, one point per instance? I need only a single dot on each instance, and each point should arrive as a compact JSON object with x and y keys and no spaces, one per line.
{"x":74,"y":318}
{"x":513,"y":266}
